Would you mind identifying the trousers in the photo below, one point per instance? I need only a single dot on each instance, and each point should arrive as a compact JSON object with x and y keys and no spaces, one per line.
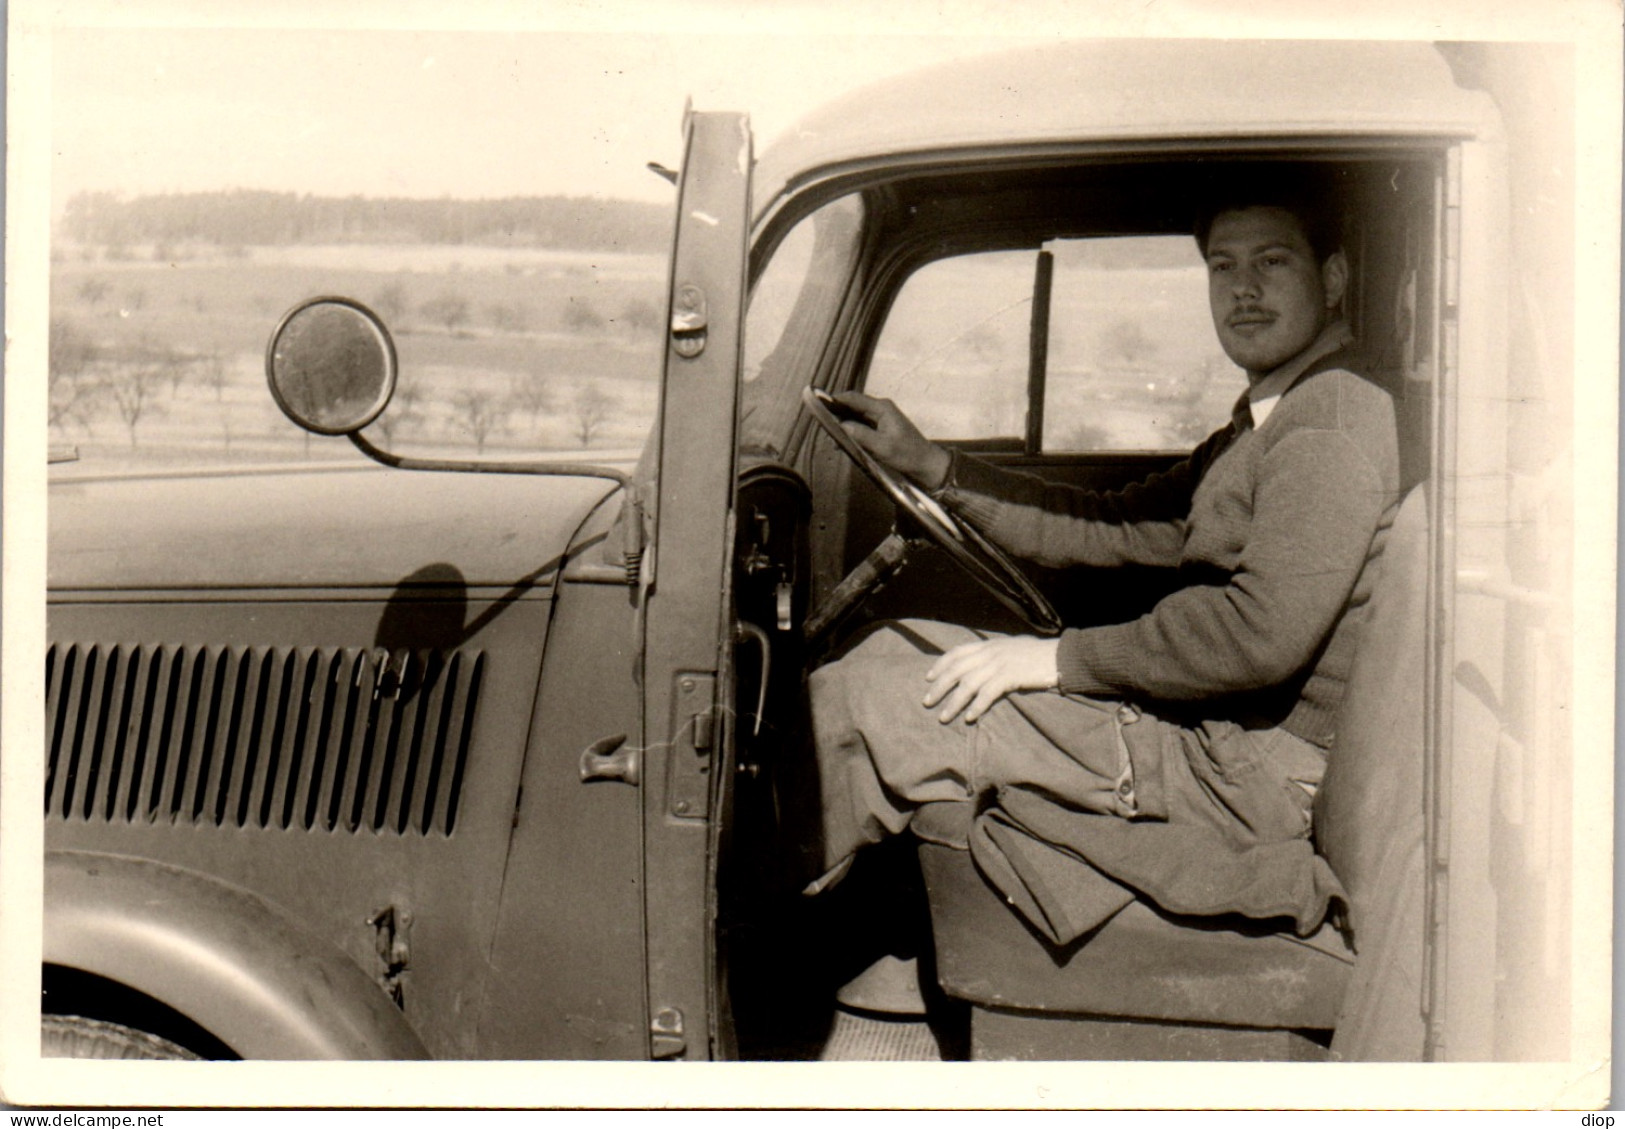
{"x":882,"y":754}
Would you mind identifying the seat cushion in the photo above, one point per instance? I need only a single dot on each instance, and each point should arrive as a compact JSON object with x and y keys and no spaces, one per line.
{"x":1148,"y":965}
{"x":1142,"y":964}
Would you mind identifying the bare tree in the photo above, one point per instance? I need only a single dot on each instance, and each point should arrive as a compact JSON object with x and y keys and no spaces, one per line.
{"x":177,"y":368}
{"x":94,"y":291}
{"x":639,"y":316}
{"x":391,"y":303}
{"x":1126,"y":341}
{"x":580,"y":316}
{"x":449,"y":310}
{"x":72,"y":392}
{"x":168,"y":363}
{"x":403,"y":409}
{"x":481,"y":411}
{"x":592,"y":406}
{"x":1187,"y":422}
{"x":508,"y":317}
{"x":215,"y":366}
{"x":528,"y":391}
{"x":70,"y":350}
{"x":134,"y":392}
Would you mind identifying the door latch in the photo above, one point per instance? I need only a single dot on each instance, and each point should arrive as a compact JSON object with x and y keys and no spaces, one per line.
{"x":694,"y":737}
{"x":610,"y":759}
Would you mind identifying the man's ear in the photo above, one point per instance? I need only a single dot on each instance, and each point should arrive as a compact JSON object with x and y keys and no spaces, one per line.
{"x":1334,"y":278}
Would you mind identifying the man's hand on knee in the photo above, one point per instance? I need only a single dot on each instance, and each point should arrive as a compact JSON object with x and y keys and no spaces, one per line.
{"x":973,"y":676}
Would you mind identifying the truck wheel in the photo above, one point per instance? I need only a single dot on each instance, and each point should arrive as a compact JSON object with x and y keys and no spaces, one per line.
{"x":73,"y":1036}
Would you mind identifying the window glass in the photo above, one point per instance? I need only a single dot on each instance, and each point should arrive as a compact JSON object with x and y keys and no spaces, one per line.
{"x":1133,"y":363}
{"x":953,"y":352}
{"x":792,"y":307}
{"x":1133,"y":360}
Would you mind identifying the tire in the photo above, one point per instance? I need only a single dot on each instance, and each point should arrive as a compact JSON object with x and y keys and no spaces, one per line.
{"x":74,"y":1036}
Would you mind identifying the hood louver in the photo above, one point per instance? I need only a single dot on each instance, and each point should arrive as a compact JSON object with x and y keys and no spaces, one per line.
{"x":305,"y":739}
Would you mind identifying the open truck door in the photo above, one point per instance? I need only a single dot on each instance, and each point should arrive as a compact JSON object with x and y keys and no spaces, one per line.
{"x":686,"y":638}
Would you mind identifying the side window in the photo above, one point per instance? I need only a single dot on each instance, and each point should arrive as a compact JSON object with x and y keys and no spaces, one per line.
{"x":1131,"y":360}
{"x":953,"y":353}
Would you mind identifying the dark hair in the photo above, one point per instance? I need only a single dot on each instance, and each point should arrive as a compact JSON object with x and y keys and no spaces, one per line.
{"x":1309,"y":195}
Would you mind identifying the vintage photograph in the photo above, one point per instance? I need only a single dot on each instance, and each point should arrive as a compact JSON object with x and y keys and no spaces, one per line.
{"x":583,"y":534}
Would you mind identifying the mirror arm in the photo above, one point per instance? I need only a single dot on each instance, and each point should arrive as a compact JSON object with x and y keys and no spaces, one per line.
{"x":407,"y":462}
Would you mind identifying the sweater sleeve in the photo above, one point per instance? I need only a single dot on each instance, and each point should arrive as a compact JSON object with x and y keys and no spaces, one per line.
{"x":1317,"y":505}
{"x":1060,"y":525}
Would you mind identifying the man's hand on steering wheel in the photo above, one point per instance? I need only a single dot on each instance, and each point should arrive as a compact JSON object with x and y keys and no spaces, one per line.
{"x":880,"y":428}
{"x":900,"y":461}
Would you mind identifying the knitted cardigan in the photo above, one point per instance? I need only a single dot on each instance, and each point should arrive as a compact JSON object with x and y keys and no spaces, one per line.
{"x":1273,"y":531}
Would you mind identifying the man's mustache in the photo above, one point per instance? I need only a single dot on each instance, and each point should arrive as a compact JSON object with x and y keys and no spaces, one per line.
{"x":1245,"y":314}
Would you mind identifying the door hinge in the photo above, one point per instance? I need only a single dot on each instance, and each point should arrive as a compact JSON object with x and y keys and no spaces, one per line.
{"x":666,"y":1037}
{"x":694,"y":738}
{"x":688,"y":321}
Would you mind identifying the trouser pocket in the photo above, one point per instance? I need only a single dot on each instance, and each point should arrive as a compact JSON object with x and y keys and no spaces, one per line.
{"x":1261,"y":780}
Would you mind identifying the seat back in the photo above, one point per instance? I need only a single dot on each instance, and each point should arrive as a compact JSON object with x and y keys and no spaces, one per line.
{"x":1369,"y":819}
{"x":1373,"y":783}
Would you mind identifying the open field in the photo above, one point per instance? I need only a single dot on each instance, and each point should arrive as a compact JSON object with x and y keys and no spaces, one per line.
{"x":503,"y":351}
{"x":508,"y":352}
{"x":1133,"y":362}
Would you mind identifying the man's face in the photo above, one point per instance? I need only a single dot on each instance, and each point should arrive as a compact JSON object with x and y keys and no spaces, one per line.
{"x":1270,"y":299}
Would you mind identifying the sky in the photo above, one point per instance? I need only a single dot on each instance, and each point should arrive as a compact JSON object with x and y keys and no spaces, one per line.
{"x":430,"y":113}
{"x":429,"y":98}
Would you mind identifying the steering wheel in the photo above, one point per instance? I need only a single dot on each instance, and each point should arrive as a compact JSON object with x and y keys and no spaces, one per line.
{"x":987,"y":564}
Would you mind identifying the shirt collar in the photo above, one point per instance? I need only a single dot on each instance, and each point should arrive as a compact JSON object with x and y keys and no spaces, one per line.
{"x":1263,"y":394}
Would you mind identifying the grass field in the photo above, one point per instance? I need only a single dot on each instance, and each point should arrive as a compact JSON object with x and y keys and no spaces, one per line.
{"x":516,"y":352}
{"x":158,"y":356}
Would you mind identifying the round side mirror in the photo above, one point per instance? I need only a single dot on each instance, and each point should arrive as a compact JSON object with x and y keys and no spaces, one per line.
{"x":331,"y":365}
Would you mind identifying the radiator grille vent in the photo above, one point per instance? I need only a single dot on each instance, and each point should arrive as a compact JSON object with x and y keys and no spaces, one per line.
{"x":306,"y":739}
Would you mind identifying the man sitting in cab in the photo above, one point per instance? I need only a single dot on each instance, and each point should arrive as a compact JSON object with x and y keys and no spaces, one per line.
{"x":1173,"y":757}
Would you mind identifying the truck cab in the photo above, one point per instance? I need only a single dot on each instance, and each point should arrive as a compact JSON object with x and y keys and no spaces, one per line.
{"x":512,"y":762}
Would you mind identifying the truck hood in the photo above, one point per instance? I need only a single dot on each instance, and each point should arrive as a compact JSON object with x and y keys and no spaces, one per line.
{"x":342,"y":527}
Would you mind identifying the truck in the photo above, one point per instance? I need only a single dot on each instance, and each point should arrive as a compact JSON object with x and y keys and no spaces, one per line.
{"x":438,"y":758}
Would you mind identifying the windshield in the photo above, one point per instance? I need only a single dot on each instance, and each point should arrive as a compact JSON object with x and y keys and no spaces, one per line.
{"x":794,"y":302}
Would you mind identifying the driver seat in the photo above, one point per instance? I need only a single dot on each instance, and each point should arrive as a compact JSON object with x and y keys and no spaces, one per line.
{"x":1150,"y":985}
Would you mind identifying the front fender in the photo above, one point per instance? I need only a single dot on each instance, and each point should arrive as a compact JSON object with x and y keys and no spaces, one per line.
{"x":219,"y":955}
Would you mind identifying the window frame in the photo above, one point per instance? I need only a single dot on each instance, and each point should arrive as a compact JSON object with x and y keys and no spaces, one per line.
{"x":905,"y":228}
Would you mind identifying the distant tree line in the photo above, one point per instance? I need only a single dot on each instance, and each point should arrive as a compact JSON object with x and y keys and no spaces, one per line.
{"x":247,"y":218}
